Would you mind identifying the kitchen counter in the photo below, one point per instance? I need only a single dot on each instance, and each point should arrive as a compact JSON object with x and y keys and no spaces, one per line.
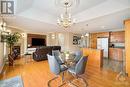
{"x":95,"y":57}
{"x":118,"y":47}
{"x":116,"y":53}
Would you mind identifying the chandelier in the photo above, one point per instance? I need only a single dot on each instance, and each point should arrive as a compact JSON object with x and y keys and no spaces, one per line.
{"x":66,"y":19}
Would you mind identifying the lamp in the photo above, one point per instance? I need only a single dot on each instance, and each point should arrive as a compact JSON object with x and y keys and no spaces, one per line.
{"x":4,"y":32}
{"x":2,"y":25}
{"x":87,"y":34}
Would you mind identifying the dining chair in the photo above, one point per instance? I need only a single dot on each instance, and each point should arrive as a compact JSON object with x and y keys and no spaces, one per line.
{"x":78,"y":55}
{"x":57,"y":53}
{"x":79,"y":69}
{"x":56,"y":69}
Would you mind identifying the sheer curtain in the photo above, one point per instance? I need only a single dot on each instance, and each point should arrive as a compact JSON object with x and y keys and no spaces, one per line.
{"x":61,"y":41}
{"x":83,"y":42}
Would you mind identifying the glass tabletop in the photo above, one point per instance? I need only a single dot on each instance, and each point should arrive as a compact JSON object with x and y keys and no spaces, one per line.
{"x":68,"y":59}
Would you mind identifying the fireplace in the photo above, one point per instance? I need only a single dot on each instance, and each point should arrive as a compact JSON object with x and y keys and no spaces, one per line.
{"x":16,"y":51}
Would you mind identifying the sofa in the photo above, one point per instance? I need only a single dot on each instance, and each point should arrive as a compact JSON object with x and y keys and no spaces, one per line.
{"x":41,"y":52}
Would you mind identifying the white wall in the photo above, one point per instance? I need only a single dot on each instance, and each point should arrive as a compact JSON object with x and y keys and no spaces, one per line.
{"x":1,"y":56}
{"x":72,"y":47}
{"x":67,"y":44}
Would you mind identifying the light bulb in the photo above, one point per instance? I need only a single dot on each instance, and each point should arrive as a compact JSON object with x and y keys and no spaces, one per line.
{"x":82,"y":36}
{"x":69,"y":15}
{"x":74,"y":20}
{"x":4,"y":24}
{"x":87,"y":34}
{"x":61,"y":16}
{"x":4,"y":28}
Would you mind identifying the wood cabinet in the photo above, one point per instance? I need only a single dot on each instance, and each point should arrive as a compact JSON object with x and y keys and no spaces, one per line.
{"x":93,"y":40}
{"x":117,"y":37}
{"x":114,"y":37}
{"x":127,"y":45}
{"x":103,"y":34}
{"x":116,"y":54}
{"x":95,"y":57}
{"x":94,"y":36}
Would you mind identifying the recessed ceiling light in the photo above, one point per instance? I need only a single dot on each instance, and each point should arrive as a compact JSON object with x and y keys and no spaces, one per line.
{"x":103,"y":27}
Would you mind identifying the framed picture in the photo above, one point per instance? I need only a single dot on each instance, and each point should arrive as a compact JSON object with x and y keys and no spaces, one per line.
{"x":3,"y":36}
{"x":76,"y":40}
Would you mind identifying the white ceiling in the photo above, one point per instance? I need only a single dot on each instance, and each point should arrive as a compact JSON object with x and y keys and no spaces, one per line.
{"x":41,"y":15}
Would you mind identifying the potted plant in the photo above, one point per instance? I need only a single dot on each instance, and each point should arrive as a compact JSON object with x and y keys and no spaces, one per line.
{"x":11,"y":39}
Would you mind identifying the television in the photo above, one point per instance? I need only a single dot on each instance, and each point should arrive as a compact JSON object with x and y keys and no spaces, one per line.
{"x":38,"y":42}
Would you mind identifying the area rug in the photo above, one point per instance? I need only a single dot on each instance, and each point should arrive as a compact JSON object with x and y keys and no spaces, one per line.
{"x":12,"y":82}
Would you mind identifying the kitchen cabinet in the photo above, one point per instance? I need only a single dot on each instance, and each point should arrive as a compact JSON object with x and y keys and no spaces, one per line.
{"x":103,"y":34}
{"x":95,"y":57}
{"x":94,"y":36}
{"x":93,"y":40}
{"x":116,"y":54}
{"x":117,"y":37}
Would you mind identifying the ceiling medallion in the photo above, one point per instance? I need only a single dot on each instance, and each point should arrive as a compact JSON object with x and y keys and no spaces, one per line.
{"x":68,"y":3}
{"x":66,"y":19}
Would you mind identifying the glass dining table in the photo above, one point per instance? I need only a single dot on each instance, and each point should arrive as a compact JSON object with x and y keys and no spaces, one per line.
{"x":68,"y":59}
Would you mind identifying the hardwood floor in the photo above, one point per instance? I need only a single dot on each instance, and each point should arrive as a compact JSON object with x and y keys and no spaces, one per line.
{"x":37,"y":74}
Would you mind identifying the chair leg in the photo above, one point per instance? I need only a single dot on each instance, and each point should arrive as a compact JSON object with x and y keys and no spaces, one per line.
{"x":62,"y":77}
{"x":63,"y":83}
{"x":71,"y":81}
{"x":63,"y":80}
{"x":76,"y":76}
{"x":51,"y":80}
{"x":86,"y":84}
{"x":74,"y":85}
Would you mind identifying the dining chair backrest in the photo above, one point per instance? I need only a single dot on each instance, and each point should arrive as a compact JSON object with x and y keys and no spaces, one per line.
{"x":53,"y":64}
{"x":56,"y":53}
{"x":81,"y":65}
{"x":78,"y":55}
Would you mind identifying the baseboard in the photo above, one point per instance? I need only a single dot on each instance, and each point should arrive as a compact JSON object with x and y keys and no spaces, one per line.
{"x":21,"y":55}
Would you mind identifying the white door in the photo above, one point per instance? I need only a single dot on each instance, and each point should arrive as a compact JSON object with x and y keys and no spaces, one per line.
{"x":102,"y":43}
{"x":99,"y":43}
{"x":105,"y":46}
